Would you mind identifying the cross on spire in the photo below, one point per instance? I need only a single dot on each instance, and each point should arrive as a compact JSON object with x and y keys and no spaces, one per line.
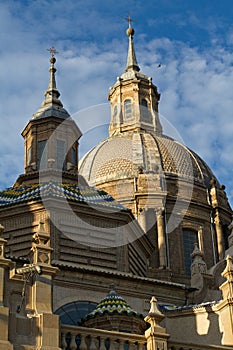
{"x":132,"y":64}
{"x":53,"y":51}
{"x":129,"y":20}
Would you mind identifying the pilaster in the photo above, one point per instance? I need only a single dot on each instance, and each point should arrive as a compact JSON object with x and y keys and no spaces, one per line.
{"x":47,"y":322}
{"x":217,"y":219}
{"x":161,"y":239}
{"x":229,"y":251}
{"x":225,"y":307}
{"x":220,"y":238}
{"x":4,"y":311}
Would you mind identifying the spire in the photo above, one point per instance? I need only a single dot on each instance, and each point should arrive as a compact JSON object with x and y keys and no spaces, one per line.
{"x":52,"y":94}
{"x":134,"y":108}
{"x":52,"y":106}
{"x":131,"y":59}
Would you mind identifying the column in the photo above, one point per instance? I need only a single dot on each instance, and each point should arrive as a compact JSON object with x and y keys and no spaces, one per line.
{"x":142,"y":218}
{"x":161,"y":239}
{"x":220,"y":238}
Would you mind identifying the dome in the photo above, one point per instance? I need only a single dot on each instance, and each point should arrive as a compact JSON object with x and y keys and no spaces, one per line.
{"x":170,"y":190}
{"x":113,"y":304}
{"x":124,"y":156}
{"x":114,"y":312}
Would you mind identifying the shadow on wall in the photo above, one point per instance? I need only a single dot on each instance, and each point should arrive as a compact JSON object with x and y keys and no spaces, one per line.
{"x":207,"y":326}
{"x":197,"y":325}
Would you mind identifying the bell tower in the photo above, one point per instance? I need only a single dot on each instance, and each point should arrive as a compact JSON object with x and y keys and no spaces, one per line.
{"x":134,"y":98}
{"x":50,"y":137}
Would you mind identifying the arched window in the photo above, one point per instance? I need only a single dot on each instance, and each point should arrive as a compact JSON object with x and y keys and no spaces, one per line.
{"x":226,"y":234}
{"x":42,"y":154}
{"x":115,"y":113}
{"x":128,"y":111}
{"x":73,"y":312}
{"x":144,"y":110}
{"x":189,"y":238}
{"x":73,"y":156}
{"x":29,"y":156}
{"x":61,"y":154}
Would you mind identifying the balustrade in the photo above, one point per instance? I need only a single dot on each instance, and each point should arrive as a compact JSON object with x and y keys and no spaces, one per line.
{"x":80,"y":338}
{"x":173,"y":346}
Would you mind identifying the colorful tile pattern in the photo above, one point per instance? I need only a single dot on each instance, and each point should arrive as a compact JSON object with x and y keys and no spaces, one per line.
{"x":21,"y":194}
{"x":112,"y":304}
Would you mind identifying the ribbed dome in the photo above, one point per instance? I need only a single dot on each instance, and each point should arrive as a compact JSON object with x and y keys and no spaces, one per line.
{"x":125,"y":155}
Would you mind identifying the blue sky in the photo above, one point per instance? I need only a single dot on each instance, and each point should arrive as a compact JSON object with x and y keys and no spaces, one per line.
{"x":192,"y":40}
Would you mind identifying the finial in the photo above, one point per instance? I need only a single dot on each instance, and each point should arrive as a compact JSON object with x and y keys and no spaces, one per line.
{"x":52,"y":104}
{"x":52,"y":94}
{"x":41,"y":236}
{"x":132,"y":64}
{"x":53,"y":51}
{"x":154,"y":316}
{"x":196,"y":251}
{"x":228,"y":271}
{"x":112,"y":291}
{"x":198,"y":268}
{"x":112,"y":286}
{"x":129,"y":30}
{"x":129,"y":20}
{"x":154,"y":308}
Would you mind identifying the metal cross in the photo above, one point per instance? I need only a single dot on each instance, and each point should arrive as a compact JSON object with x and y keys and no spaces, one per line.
{"x":129,"y":20}
{"x":53,"y":51}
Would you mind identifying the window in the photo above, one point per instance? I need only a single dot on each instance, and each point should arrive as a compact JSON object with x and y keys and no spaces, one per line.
{"x":73,"y":312}
{"x":61,"y":154}
{"x":115,"y":113}
{"x":144,"y":110}
{"x":128,"y":109}
{"x":42,"y":154}
{"x":29,"y":156}
{"x":73,"y":155}
{"x":189,"y":238}
{"x":225,"y":236}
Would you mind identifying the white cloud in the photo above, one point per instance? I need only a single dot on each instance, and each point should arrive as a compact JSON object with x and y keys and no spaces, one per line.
{"x":196,"y":84}
{"x":198,"y":99}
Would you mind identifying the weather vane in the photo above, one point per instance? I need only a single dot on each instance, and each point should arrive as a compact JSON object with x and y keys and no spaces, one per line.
{"x":53,"y":51}
{"x":129,"y":20}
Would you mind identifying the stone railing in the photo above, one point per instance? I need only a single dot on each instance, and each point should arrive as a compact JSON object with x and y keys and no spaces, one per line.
{"x":180,"y":346}
{"x":80,"y":338}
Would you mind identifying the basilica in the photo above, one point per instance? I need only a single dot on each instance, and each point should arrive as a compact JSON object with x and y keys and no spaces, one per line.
{"x":130,"y":247}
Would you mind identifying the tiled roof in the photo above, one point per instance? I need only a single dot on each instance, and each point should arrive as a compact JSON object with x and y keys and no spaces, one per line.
{"x":51,"y":189}
{"x":174,"y":308}
{"x":121,"y":156}
{"x":19,"y":259}
{"x":105,"y":271}
{"x":112,"y":304}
